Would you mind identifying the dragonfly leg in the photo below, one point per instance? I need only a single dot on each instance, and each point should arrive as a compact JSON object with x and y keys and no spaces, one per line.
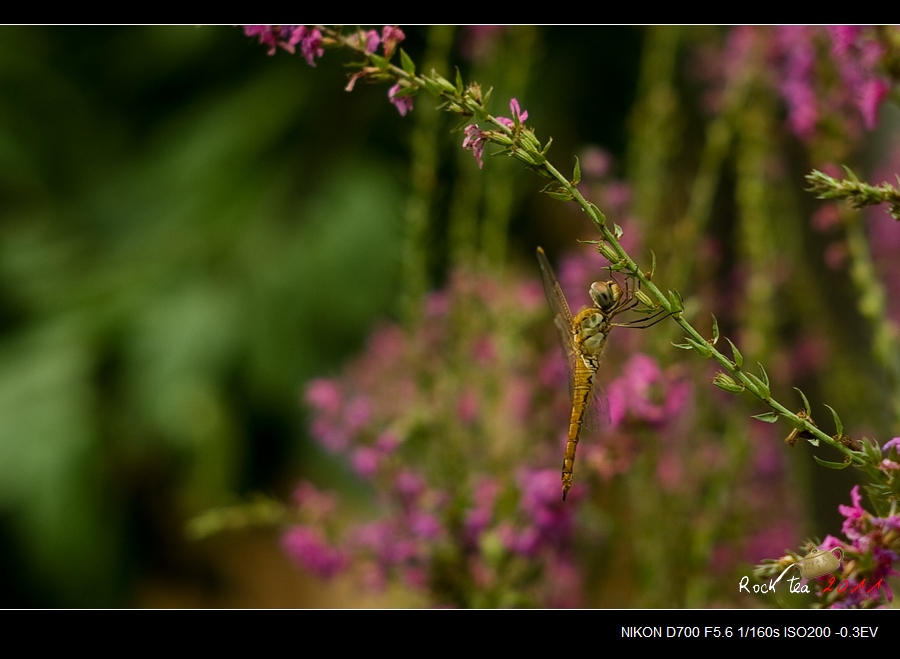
{"x":644,"y":323}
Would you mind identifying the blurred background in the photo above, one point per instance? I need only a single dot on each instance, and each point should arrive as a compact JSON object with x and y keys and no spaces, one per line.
{"x":222,"y":275}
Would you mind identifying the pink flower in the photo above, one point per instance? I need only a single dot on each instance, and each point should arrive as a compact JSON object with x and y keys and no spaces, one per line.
{"x":409,"y":485}
{"x":842,"y":37}
{"x":324,"y":395}
{"x":474,"y":141}
{"x":287,"y":37}
{"x":391,"y":35}
{"x":852,"y":514}
{"x":313,"y":501}
{"x":403,"y":104}
{"x":366,"y":461}
{"x":371,"y":40}
{"x":871,"y":96}
{"x":311,"y":44}
{"x":307,"y":546}
{"x":519,"y":117}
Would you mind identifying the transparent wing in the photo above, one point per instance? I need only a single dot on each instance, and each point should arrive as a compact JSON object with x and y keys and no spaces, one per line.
{"x":596,"y":413}
{"x":562,"y":316}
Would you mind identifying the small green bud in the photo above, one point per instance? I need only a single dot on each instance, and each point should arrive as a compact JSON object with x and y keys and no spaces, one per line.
{"x":643,"y":298}
{"x":727,"y":383}
{"x":608,"y":253}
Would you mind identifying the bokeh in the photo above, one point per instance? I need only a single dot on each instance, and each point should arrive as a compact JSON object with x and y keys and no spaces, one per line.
{"x":234,"y":293}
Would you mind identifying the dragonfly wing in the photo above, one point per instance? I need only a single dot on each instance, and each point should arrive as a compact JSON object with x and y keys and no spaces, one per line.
{"x":562,"y":314}
{"x":596,"y":414}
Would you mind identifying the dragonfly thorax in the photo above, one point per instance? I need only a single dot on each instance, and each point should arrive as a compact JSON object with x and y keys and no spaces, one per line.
{"x":593,"y":326}
{"x":605,"y":294}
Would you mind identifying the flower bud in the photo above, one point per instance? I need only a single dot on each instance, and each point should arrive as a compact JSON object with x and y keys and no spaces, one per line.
{"x":727,"y":383}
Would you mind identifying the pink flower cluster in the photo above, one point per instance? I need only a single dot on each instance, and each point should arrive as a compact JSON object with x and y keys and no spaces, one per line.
{"x":856,"y":55}
{"x":830,"y":78}
{"x":870,"y":556}
{"x":437,"y":420}
{"x":287,"y":37}
{"x":475,"y":138}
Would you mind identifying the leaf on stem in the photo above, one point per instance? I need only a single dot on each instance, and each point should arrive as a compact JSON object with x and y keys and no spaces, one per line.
{"x":850,"y":174}
{"x":765,"y":376}
{"x":564,"y":195}
{"x":702,"y":348}
{"x":805,"y":402}
{"x":832,"y":465}
{"x":715,"y":331}
{"x":406,"y":63}
{"x":768,"y":417}
{"x":676,"y":302}
{"x":738,"y":357}
{"x":380,"y":62}
{"x":576,"y":176}
{"x":837,"y":421}
{"x":762,"y":387}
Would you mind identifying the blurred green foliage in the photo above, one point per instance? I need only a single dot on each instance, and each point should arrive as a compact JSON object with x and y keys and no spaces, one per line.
{"x":187,"y":233}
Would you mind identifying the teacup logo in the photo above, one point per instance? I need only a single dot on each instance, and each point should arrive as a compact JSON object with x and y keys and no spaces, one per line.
{"x":819,"y":562}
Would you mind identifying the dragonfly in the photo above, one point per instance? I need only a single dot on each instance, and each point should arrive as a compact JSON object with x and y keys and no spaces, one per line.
{"x":584,"y":338}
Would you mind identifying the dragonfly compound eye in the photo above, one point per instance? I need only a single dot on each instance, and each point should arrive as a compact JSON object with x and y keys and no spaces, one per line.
{"x":605,"y":294}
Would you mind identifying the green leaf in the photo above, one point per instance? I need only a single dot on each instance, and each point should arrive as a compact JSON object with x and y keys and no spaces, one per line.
{"x":676,"y":302}
{"x":652,"y":264}
{"x":738,"y":357}
{"x":408,"y":65}
{"x":487,"y":97}
{"x":872,"y":450}
{"x":380,"y":62}
{"x":715,"y":330}
{"x":768,"y":417}
{"x":617,"y":231}
{"x":683,"y":346}
{"x":434,"y":89}
{"x":547,"y":147}
{"x":837,"y":421}
{"x":765,"y":376}
{"x":831,"y":465}
{"x":459,"y":82}
{"x":462,"y":124}
{"x":702,"y":348}
{"x":560,"y":196}
{"x":805,"y":402}
{"x":762,"y":387}
{"x":576,"y":176}
{"x":850,"y":174}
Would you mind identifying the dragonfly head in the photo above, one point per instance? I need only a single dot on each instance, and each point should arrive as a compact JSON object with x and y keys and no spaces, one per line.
{"x":605,"y":294}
